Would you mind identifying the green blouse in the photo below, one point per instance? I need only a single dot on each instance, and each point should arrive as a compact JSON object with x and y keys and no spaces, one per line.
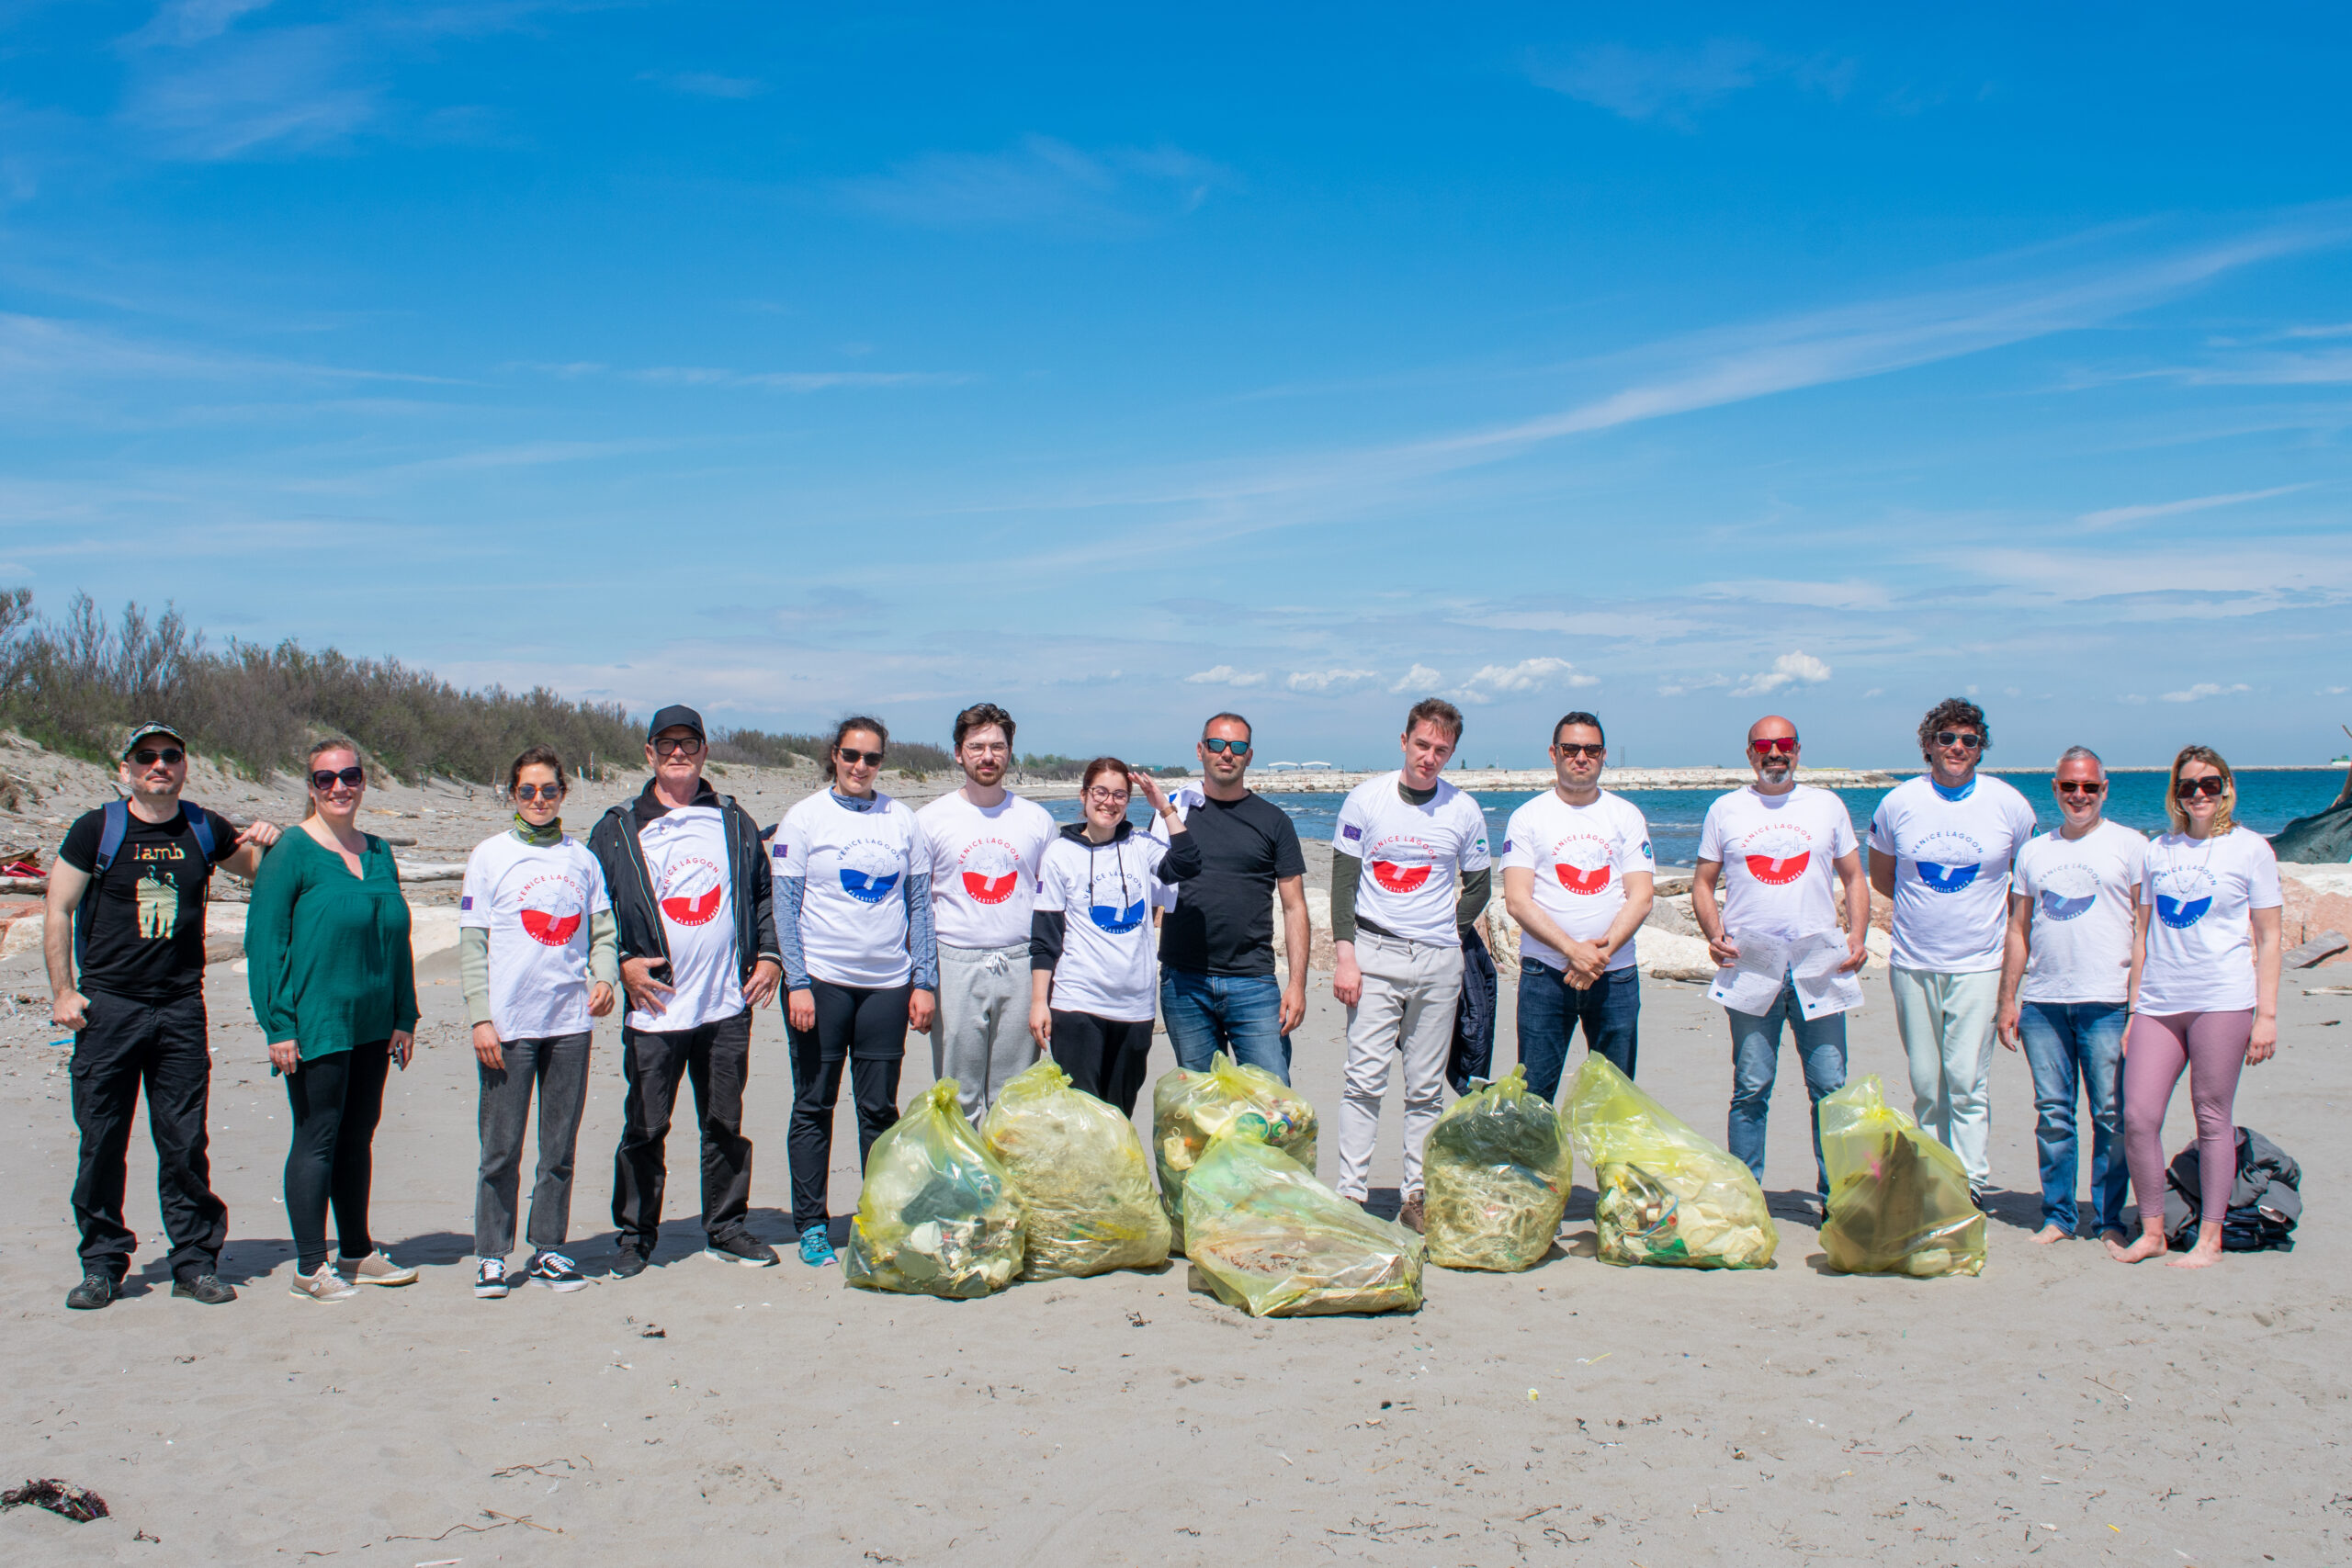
{"x":327,"y":953}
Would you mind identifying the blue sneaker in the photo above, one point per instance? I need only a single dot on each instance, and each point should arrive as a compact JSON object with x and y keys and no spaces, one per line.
{"x":816,"y":1248}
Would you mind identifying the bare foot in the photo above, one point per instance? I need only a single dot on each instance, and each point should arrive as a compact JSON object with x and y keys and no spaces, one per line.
{"x":2204,"y":1254}
{"x":2150,"y":1244}
{"x":2114,"y":1239}
{"x":2049,"y":1233}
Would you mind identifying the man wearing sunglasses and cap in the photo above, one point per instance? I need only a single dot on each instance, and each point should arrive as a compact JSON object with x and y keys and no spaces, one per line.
{"x":124,"y":937}
{"x":1941,"y":846}
{"x":691,"y":894}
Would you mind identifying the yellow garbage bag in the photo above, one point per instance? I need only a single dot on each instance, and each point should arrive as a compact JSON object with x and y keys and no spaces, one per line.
{"x":1266,"y":1236}
{"x":1667,"y":1195}
{"x":1080,"y":1174}
{"x":1495,"y":1172}
{"x":1898,"y":1200}
{"x":1190,"y":1108}
{"x":938,"y":1216}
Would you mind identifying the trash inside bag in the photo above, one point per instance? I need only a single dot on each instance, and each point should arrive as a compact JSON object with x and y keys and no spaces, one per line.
{"x":1667,"y":1195}
{"x":1495,"y":1172}
{"x":938,"y":1216}
{"x":1190,"y":1108}
{"x":1080,"y":1174}
{"x":1266,"y":1236}
{"x":1898,"y":1200}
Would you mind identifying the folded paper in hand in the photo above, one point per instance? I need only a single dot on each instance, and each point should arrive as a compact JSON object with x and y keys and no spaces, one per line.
{"x":1753,"y":981}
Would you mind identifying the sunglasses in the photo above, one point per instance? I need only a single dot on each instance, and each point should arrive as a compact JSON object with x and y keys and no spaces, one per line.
{"x":871,"y":758}
{"x":1238,"y":748}
{"x":2211,"y":783}
{"x":172,"y":756}
{"x":2068,"y":786}
{"x":1785,"y":745}
{"x":324,"y":779}
{"x":670,"y":745}
{"x":538,"y":792}
{"x":1966,"y":740}
{"x":1571,"y":749}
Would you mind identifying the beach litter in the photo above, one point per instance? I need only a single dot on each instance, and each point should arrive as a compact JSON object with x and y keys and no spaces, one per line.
{"x":76,"y":1502}
{"x":1080,"y":1174}
{"x":1898,"y":1199}
{"x":1667,"y":1196}
{"x":1495,"y":1172}
{"x":938,"y":1215}
{"x":1188,"y":1110}
{"x":1266,"y":1236}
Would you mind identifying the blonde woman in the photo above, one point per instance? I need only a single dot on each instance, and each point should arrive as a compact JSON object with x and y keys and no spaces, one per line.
{"x":2205,"y":994}
{"x":335,"y":991}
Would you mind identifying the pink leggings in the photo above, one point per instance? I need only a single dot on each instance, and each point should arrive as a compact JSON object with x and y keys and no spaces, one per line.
{"x":2211,"y":1046}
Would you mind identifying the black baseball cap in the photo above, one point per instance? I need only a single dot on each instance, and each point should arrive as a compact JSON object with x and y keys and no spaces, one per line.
{"x":152,"y":727}
{"x":677,"y":715}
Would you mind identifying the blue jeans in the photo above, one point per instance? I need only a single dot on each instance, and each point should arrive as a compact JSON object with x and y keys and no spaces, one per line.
{"x":1550,"y":1009}
{"x":1756,"y":1060}
{"x":1238,"y":1014}
{"x":2064,"y":1042}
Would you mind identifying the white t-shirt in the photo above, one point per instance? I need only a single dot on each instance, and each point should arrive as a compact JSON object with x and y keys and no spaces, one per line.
{"x":2079,"y":946}
{"x":1952,"y":871}
{"x":2201,"y":942}
{"x":1104,"y":893}
{"x":984,"y":867}
{"x":1411,"y":855}
{"x":685,"y":854}
{"x":1777,"y":851}
{"x":538,"y":904}
{"x":1581,"y":856}
{"x":853,"y":908}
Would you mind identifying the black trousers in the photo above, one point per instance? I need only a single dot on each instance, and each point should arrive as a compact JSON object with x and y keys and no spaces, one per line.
{"x":123,"y":1045}
{"x":1104,"y":1057}
{"x":866,"y":1029}
{"x":717,"y":1057}
{"x":337,"y":1100}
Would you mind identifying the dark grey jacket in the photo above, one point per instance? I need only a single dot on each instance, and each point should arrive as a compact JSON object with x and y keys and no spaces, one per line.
{"x":613,"y":842}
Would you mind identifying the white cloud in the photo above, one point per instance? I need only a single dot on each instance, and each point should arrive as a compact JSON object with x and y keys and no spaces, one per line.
{"x":1851,"y":594}
{"x":2330,"y":692}
{"x":2204,"y":689}
{"x":1788,"y":670}
{"x":1875,"y":691}
{"x":1419,"y":677}
{"x":2115,"y":515}
{"x":1324,"y":680}
{"x":2135,"y":698}
{"x":1227,"y":675}
{"x":1694,"y":683}
{"x":1041,"y":181}
{"x":1666,"y":84}
{"x":1527,"y":675}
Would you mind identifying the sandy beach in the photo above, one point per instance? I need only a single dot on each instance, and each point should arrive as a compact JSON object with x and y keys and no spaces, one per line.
{"x":2060,"y":1407}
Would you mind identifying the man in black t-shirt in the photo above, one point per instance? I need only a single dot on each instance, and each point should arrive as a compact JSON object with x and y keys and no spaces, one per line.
{"x":1217,"y":990}
{"x":134,"y":931}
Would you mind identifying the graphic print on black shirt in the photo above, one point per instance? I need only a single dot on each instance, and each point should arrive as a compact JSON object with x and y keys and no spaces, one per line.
{"x":144,"y":932}
{"x":1224,"y":918}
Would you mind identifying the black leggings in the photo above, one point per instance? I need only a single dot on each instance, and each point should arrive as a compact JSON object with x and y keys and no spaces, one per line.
{"x":1104,"y":1057}
{"x":868,"y":1030}
{"x":336,"y":1102}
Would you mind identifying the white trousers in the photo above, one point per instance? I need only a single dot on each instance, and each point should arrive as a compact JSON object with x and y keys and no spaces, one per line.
{"x":1946,"y":1022}
{"x":981,"y":1036}
{"x":1410,"y":989}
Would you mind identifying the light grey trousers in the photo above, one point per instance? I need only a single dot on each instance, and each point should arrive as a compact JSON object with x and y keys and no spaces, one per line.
{"x":982,"y":1036}
{"x":1410,"y":989}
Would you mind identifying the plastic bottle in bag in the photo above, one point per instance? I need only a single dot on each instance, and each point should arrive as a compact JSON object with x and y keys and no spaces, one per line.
{"x":1496,"y":1171}
{"x":1667,"y":1195}
{"x":1190,"y":1108}
{"x":1079,"y":1171}
{"x":1266,"y":1236}
{"x":1898,"y":1199}
{"x":938,"y":1215}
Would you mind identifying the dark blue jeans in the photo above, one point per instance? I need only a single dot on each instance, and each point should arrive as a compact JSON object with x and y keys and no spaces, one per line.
{"x":1238,"y":1014}
{"x":2064,"y":1043}
{"x":1755,"y":1063}
{"x":1550,"y":1009}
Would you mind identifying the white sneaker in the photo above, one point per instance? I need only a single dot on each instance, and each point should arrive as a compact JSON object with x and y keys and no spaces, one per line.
{"x":490,"y":1279}
{"x":377,"y":1269}
{"x":326,"y":1285}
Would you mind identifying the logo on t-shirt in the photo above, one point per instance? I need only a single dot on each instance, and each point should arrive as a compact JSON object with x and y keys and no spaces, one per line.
{"x":1581,"y":862}
{"x":1777,"y":855}
{"x":990,"y":869}
{"x":2067,"y":893}
{"x":870,"y":870}
{"x":2190,"y":895}
{"x":1116,"y":920}
{"x":1947,"y":861}
{"x":552,"y":910}
{"x":1400,"y":863}
{"x":691,"y":890}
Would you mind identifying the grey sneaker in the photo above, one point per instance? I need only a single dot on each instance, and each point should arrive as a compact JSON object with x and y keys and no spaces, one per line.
{"x":326,"y":1285}
{"x":377,"y":1269}
{"x":94,"y":1291}
{"x":206,"y":1288}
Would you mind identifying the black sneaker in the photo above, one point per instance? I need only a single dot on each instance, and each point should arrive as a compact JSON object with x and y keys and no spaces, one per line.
{"x":740,"y":1247}
{"x":1980,"y":1197}
{"x":628,"y":1261}
{"x":557,"y":1272}
{"x":95,"y":1291}
{"x":205,"y":1288}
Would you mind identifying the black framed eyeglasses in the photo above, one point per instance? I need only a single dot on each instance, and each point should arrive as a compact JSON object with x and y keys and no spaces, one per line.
{"x":1221,"y":746}
{"x":1575,"y":748}
{"x":1967,"y":739}
{"x":324,"y":779}
{"x":538,"y":792}
{"x":672,"y":745}
{"x":871,"y":758}
{"x":2211,"y":783}
{"x":170,"y":756}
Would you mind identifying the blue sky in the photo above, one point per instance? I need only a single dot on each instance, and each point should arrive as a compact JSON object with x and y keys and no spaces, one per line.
{"x":1119,"y":364}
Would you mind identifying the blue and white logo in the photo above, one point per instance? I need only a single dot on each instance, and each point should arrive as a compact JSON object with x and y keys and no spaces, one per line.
{"x":1948,"y":861}
{"x":2067,"y":893}
{"x":2184,"y":894}
{"x":869,"y":871}
{"x":1118,"y":922}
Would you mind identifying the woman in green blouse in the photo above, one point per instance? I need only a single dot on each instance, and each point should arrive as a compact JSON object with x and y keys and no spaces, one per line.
{"x":335,"y":991}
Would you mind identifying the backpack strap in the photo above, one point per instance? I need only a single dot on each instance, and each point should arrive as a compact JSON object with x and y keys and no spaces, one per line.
{"x":200,"y":825}
{"x":114,"y":826}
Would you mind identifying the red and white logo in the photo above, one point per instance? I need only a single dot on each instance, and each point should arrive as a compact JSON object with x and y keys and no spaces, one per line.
{"x":1400,"y":863}
{"x":1777,"y":855}
{"x":990,"y":869}
{"x":1581,"y":862}
{"x":692,"y":889}
{"x":552,"y":911}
